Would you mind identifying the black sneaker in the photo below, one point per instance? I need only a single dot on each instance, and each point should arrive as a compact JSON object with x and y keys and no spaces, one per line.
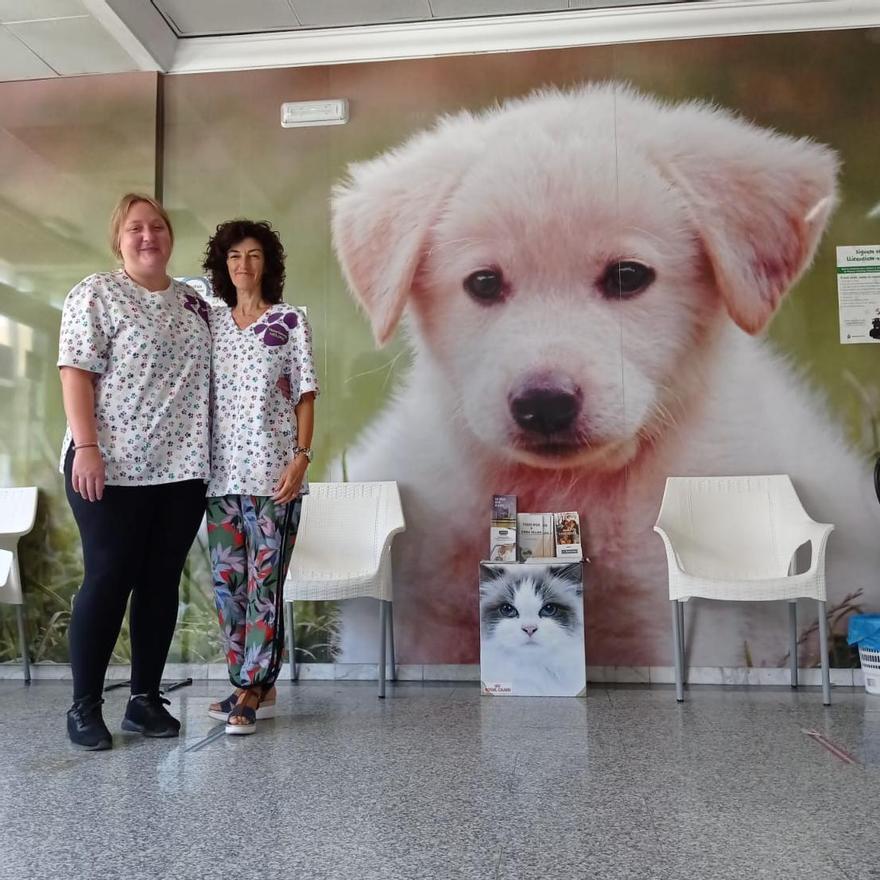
{"x":146,"y":714}
{"x":85,"y":725}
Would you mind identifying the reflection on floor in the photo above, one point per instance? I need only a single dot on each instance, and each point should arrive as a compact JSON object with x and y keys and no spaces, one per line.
{"x":436,"y":782}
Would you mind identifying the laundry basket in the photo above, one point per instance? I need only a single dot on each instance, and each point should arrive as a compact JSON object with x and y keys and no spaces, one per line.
{"x":870,"y":661}
{"x":864,"y":630}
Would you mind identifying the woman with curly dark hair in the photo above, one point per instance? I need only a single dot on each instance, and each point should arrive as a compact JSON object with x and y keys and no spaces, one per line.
{"x":263,"y":391}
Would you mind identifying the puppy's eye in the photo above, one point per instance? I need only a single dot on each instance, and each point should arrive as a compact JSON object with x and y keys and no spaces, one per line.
{"x":485,"y":285}
{"x":507,"y":610}
{"x":625,"y":279}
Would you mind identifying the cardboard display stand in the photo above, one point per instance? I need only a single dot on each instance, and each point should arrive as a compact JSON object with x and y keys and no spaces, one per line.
{"x":532,"y":629}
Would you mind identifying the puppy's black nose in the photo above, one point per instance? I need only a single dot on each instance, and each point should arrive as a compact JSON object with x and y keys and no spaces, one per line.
{"x":546,"y":406}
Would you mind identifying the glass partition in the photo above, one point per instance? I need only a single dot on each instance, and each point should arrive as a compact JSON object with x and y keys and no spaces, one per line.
{"x":68,"y":149}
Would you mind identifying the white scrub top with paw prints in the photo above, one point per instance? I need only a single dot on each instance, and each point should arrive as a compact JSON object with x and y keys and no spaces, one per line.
{"x":253,"y":425}
{"x":149,"y":351}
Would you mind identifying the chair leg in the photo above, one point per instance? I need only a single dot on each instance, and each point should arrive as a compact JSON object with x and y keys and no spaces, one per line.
{"x":22,"y":638}
{"x":291,"y":641}
{"x":383,"y":627}
{"x":391,"y":655}
{"x":823,"y":649}
{"x":792,"y":642}
{"x":682,"y":639}
{"x":677,"y":651}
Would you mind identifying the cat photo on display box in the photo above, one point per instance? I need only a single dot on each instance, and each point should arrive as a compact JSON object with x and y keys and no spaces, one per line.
{"x":532,"y":630}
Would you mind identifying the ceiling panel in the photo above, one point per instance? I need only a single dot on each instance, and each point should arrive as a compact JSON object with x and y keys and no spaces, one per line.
{"x":74,"y":46}
{"x":200,"y":18}
{"x":469,"y":8}
{"x":30,"y":10}
{"x":338,"y":13}
{"x":601,"y":4}
{"x":18,"y":62}
{"x":203,"y":17}
{"x":44,"y":38}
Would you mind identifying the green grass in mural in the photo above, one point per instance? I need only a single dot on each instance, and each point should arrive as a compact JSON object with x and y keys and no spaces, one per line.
{"x":51,"y":569}
{"x":840,"y":653}
{"x":51,"y":565}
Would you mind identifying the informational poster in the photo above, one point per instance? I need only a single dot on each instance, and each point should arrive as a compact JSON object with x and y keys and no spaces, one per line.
{"x":858,"y":293}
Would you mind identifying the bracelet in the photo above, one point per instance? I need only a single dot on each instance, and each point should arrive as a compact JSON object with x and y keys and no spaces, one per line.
{"x":305,"y":450}
{"x":84,"y":446}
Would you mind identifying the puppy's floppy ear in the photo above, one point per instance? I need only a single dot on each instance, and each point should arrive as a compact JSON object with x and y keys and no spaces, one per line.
{"x":760,"y":200}
{"x":382,"y":216}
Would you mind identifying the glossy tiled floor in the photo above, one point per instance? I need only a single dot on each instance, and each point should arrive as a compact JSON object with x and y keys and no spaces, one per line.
{"x":437,"y":782}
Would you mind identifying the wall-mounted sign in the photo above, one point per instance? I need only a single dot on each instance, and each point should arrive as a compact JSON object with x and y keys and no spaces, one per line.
{"x":296,"y":114}
{"x":858,"y":293}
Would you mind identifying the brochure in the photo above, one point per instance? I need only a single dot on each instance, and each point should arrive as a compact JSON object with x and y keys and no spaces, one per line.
{"x":530,"y":536}
{"x":568,"y":535}
{"x":502,"y":535}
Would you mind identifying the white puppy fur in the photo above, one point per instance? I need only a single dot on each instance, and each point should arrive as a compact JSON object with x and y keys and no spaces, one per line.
{"x":597,"y":264}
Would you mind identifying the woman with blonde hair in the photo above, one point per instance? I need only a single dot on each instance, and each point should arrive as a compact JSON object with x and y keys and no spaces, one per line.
{"x":134,"y":358}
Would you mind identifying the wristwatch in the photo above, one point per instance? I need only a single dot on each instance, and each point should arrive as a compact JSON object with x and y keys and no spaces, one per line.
{"x":305,"y":450}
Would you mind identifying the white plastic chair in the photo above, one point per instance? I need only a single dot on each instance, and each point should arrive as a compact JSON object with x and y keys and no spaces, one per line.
{"x":343,"y":551}
{"x":735,"y":538}
{"x":18,"y":510}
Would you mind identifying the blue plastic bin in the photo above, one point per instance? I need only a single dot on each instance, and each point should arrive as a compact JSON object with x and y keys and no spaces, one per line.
{"x":864,"y":629}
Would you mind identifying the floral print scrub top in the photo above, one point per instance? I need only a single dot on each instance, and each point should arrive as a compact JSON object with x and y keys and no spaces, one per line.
{"x":253,"y":424}
{"x":151,"y":354}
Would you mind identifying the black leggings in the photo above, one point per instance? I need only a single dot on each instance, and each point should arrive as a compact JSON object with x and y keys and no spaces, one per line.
{"x":135,"y":541}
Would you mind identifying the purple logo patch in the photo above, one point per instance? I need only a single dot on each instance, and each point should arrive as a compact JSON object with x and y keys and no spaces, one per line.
{"x":274,"y":330}
{"x":196,"y":305}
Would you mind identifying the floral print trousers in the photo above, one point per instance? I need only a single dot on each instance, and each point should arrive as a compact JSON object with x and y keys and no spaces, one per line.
{"x":245,"y":534}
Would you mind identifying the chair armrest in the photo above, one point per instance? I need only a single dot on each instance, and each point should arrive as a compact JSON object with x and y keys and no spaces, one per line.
{"x":394,"y":521}
{"x":817,"y":534}
{"x":389,"y":539}
{"x":394,"y":514}
{"x":672,"y":556}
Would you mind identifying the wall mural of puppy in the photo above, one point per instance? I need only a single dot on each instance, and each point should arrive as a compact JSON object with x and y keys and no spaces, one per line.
{"x":585,"y":276}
